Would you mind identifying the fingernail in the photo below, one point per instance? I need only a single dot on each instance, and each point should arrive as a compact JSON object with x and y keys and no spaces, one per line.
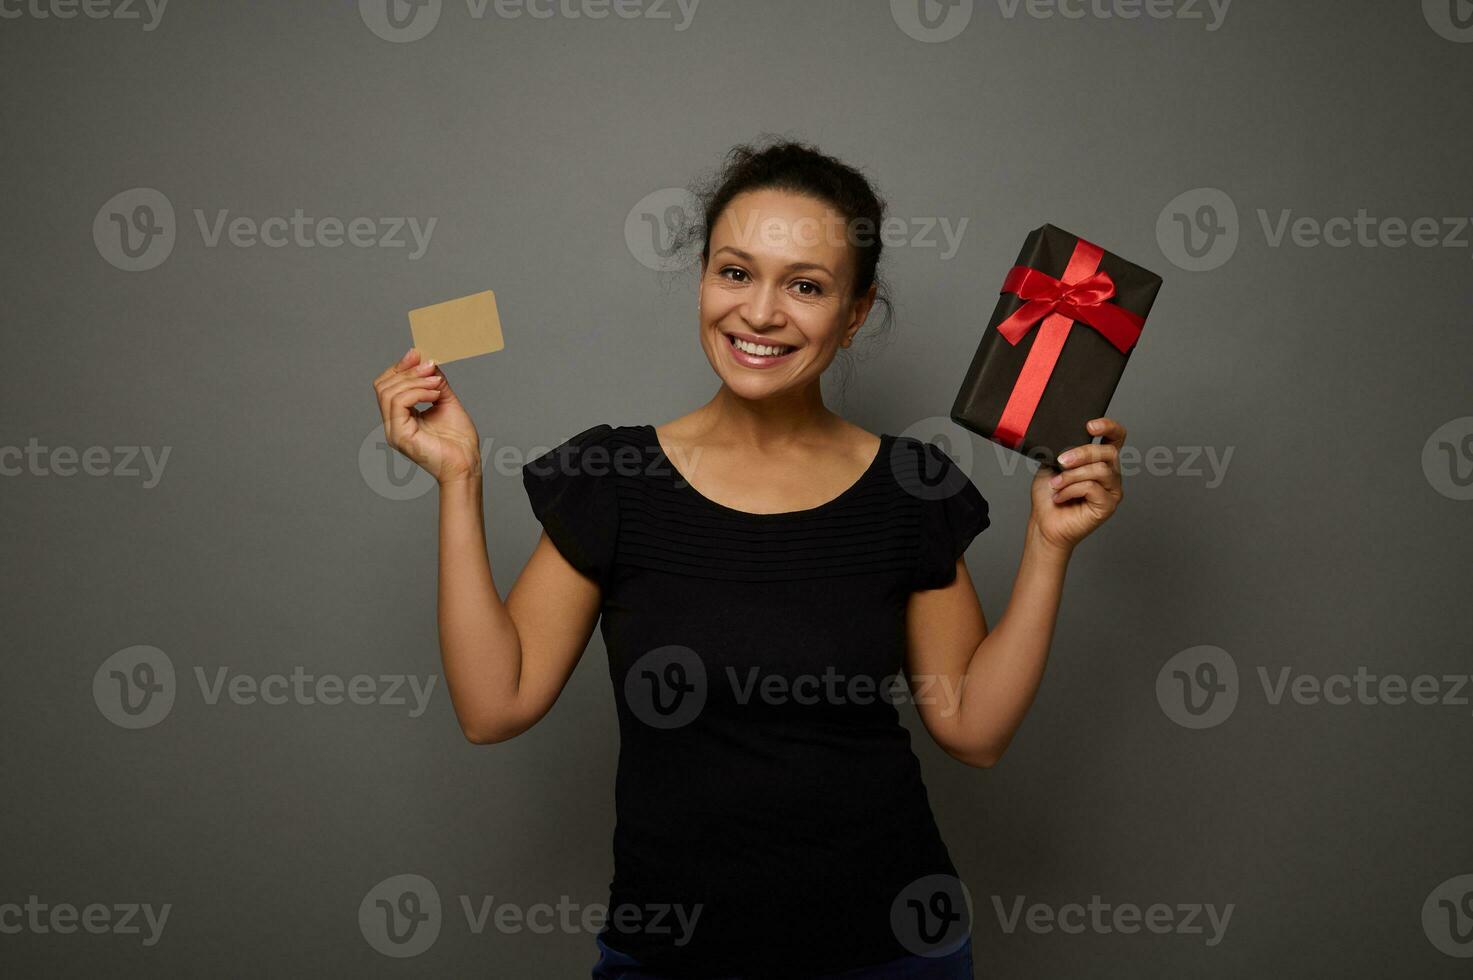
{"x":1067,"y":459}
{"x":1056,"y":481}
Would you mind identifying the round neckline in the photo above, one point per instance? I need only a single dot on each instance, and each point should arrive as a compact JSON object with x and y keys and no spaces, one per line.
{"x":680,"y":478}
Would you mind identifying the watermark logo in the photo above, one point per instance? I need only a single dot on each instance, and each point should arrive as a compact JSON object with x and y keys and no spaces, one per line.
{"x":134,"y":231}
{"x":34,"y":459}
{"x":301,"y":688}
{"x":1198,"y":688}
{"x":659,"y":230}
{"x":150,"y":12}
{"x":388,"y":472}
{"x":1363,"y":688}
{"x":1198,"y":229}
{"x":1206,"y":463}
{"x":659,"y":227}
{"x":1211,"y":12}
{"x":1447,"y":916}
{"x":1101,"y":918}
{"x":932,"y":916}
{"x":400,"y":916}
{"x":919,"y":471}
{"x":669,"y":687}
{"x":1447,"y":459}
{"x":400,"y":21}
{"x":931,"y":21}
{"x":393,"y":476}
{"x":63,"y":918}
{"x":134,"y":688}
{"x":1451,"y":19}
{"x":778,"y":231}
{"x":666,"y":688}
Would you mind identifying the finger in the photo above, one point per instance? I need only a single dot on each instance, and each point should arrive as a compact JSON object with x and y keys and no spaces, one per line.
{"x":419,"y":371}
{"x":410,"y":358}
{"x":1088,"y":489}
{"x":445,"y":385}
{"x":1090,"y":452}
{"x":409,"y":380}
{"x":1101,"y":473}
{"x":407,"y":398}
{"x":390,"y":394}
{"x":397,"y":389}
{"x":1113,"y":431}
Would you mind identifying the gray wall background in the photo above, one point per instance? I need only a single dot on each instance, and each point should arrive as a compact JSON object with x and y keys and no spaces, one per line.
{"x":1335,"y":539}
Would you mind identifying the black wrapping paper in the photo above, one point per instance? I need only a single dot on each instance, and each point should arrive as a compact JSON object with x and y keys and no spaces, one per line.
{"x":1087,"y":371}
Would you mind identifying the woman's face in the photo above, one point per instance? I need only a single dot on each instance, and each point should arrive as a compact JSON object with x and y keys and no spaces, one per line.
{"x":779,"y":273}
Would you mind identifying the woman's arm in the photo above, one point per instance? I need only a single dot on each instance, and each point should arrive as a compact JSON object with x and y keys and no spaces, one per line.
{"x":972,"y":688}
{"x":505,"y":662}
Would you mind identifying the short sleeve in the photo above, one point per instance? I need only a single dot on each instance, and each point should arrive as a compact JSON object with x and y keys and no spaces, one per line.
{"x":572,"y":492}
{"x":953,"y":512}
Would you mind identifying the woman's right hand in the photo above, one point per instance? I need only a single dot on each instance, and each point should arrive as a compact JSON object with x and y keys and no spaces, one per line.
{"x":442,"y":439}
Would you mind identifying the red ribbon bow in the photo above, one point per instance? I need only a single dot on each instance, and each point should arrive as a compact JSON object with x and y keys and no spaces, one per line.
{"x":1081,"y":295}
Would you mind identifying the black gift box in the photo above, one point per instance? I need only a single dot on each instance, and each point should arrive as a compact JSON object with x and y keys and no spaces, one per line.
{"x":1088,"y":368}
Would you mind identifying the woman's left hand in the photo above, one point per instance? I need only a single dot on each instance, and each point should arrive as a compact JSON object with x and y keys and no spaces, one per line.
{"x":1069,"y":504}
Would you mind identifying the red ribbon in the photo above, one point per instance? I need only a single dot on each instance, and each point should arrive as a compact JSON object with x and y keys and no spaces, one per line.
{"x":1080,"y":296}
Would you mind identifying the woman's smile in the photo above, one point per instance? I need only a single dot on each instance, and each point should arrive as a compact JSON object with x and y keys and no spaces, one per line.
{"x":754,"y":352}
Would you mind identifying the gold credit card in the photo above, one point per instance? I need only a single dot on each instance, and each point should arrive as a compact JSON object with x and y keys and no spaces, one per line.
{"x":457,"y":328}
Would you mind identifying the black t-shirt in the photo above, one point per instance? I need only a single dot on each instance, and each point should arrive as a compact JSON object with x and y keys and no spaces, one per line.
{"x":770,"y":810}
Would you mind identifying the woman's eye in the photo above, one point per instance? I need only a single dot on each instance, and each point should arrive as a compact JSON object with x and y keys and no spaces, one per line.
{"x":733,"y":270}
{"x":813,"y":288}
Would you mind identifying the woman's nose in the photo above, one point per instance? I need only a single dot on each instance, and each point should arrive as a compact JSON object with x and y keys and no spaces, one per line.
{"x":763,"y":308}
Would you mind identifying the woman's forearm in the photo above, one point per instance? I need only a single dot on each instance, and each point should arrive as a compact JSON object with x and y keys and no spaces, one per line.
{"x":1005,"y":670}
{"x":479,"y":646}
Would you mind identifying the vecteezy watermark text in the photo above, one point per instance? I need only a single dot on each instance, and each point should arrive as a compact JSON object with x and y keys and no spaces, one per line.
{"x":1198,"y":230}
{"x":35,"y":459}
{"x":150,"y":12}
{"x":136,"y":687}
{"x":668,"y":687}
{"x":402,"y":916}
{"x":63,"y":918}
{"x":658,"y":230}
{"x":1199,"y":687}
{"x":403,"y":21}
{"x":1102,"y":918}
{"x":135,"y":230}
{"x":934,"y":21}
{"x":1206,"y":463}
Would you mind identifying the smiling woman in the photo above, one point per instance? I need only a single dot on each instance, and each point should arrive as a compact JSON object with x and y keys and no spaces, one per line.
{"x":765,"y":604}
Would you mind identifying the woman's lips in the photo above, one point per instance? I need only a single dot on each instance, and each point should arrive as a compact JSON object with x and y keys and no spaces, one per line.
{"x":756,"y":360}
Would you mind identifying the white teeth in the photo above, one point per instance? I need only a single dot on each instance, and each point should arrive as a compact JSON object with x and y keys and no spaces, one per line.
{"x":761,"y":350}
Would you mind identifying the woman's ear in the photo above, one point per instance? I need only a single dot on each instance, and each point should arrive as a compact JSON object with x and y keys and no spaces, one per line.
{"x":861,"y":312}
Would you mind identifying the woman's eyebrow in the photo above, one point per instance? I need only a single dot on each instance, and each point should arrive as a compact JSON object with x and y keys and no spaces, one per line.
{"x":791,"y":265}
